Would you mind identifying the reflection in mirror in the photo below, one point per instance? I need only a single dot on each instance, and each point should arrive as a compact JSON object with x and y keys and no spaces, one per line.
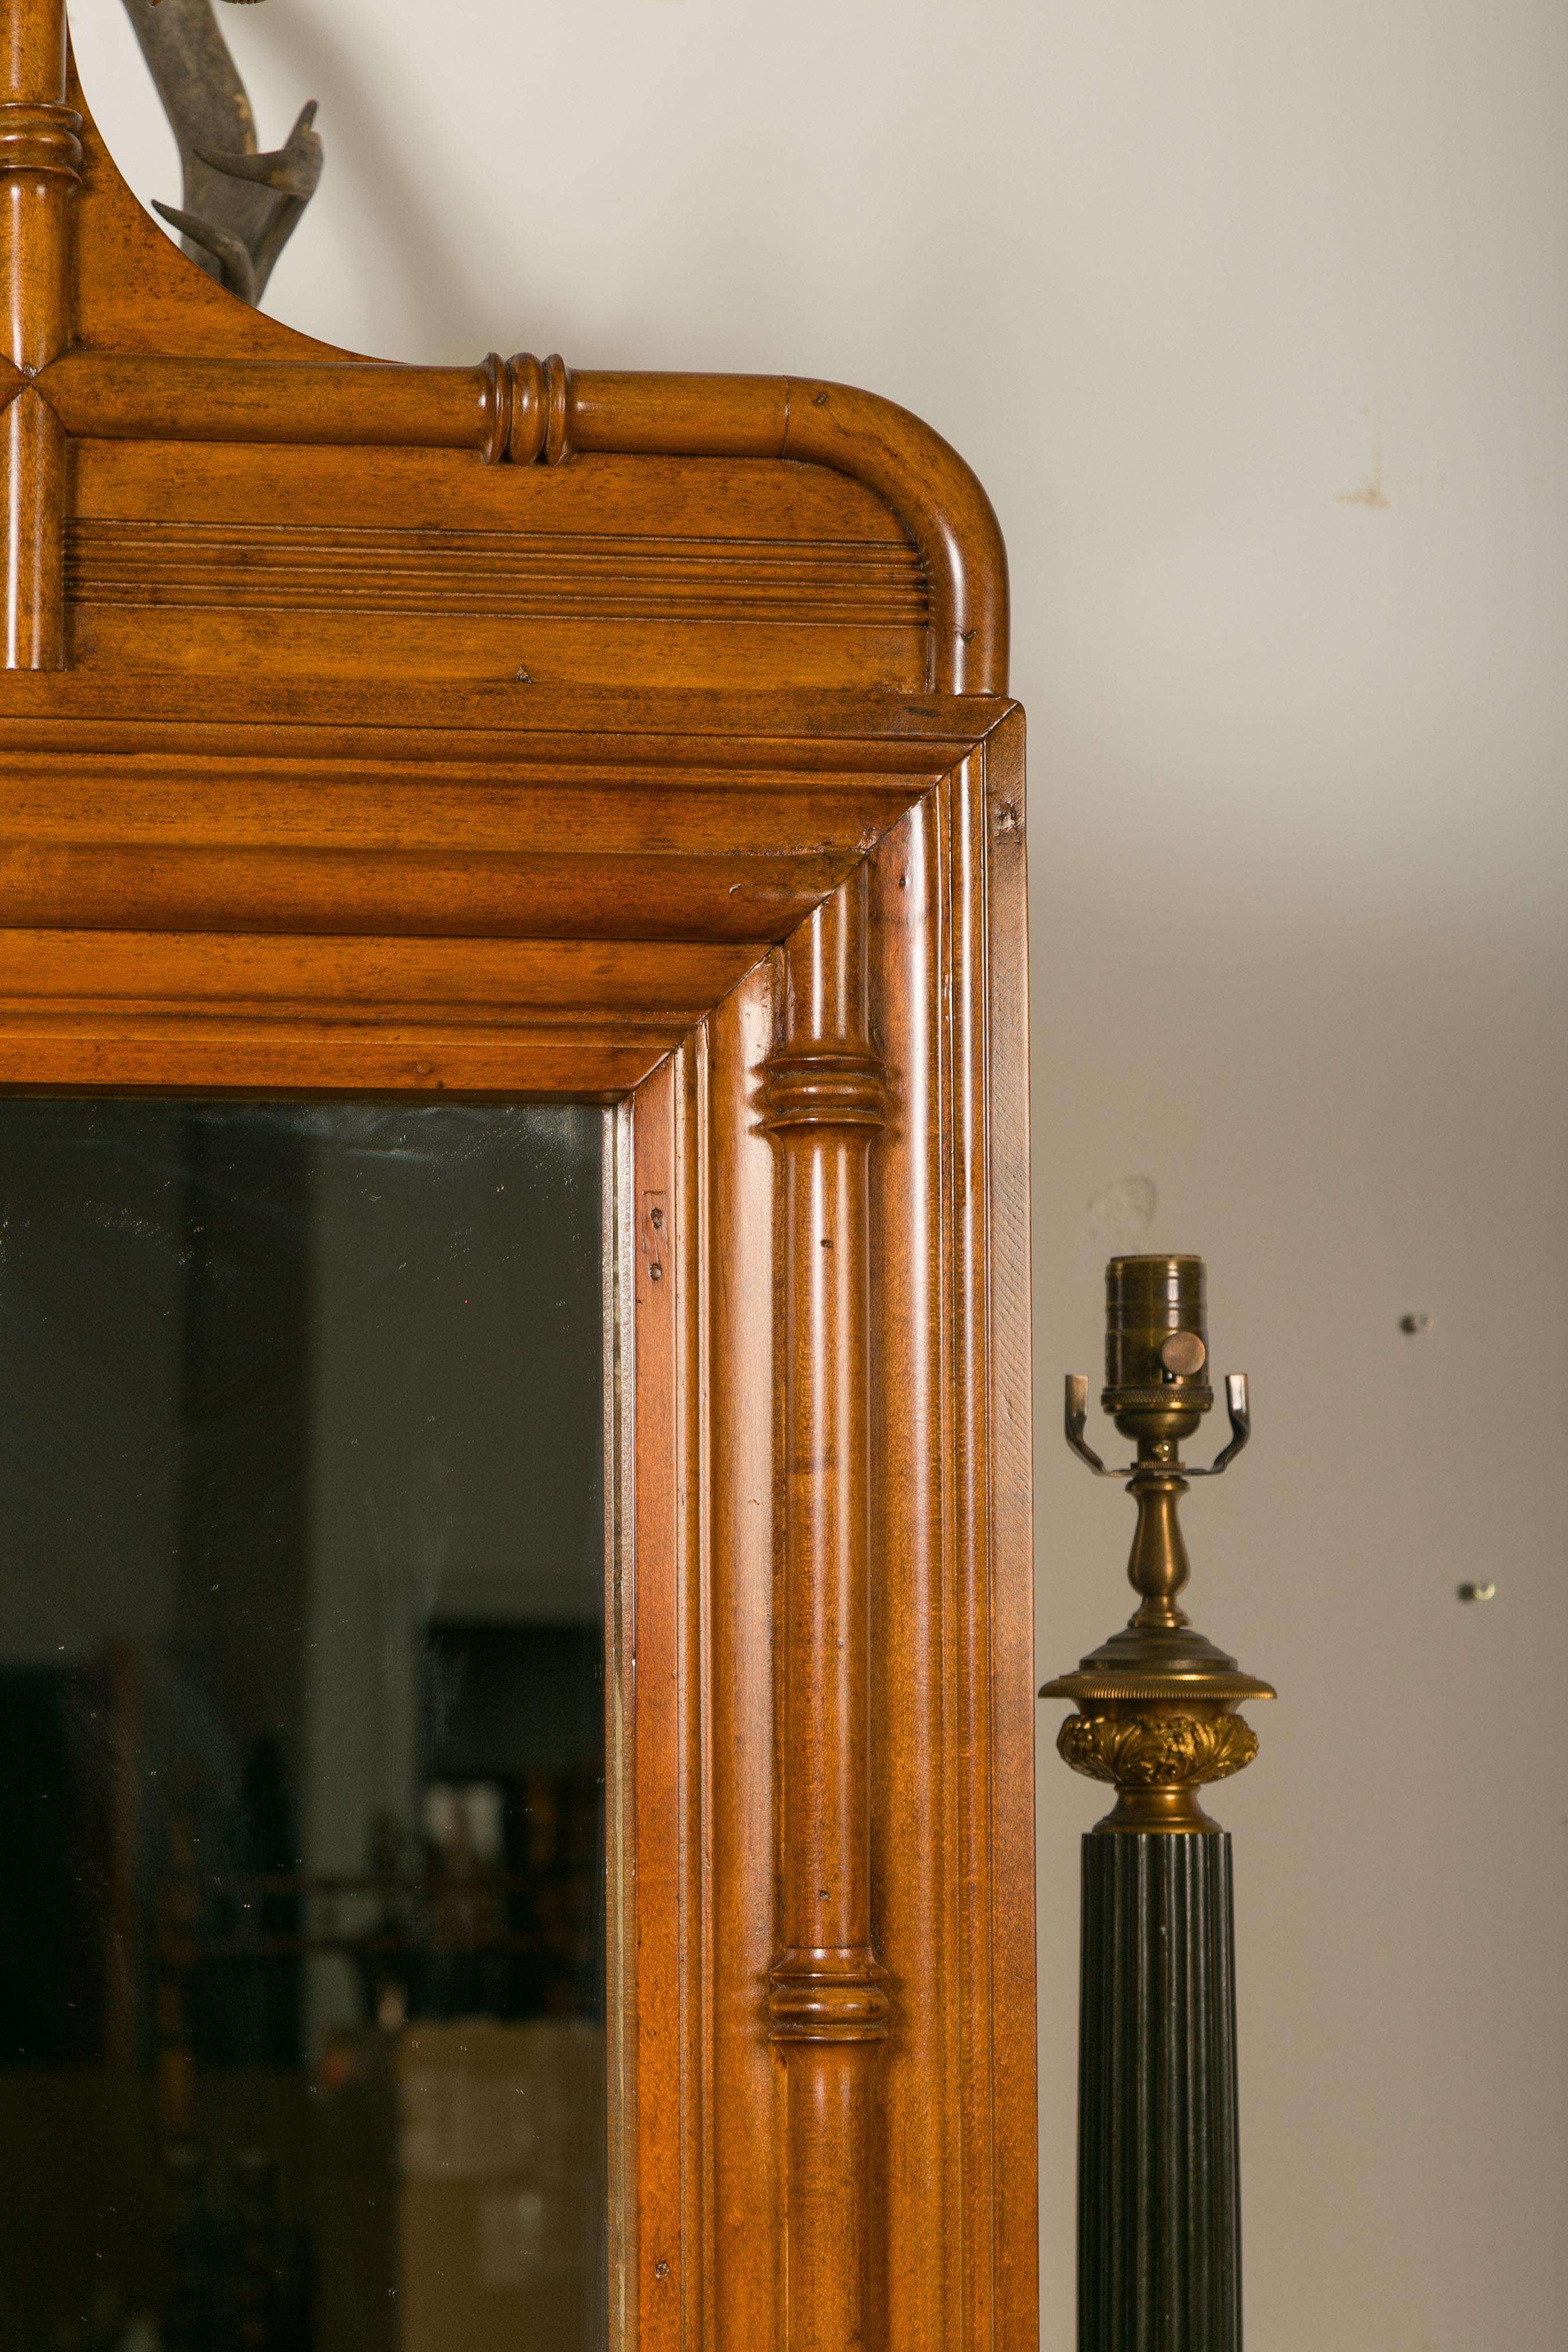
{"x":302,"y":1745}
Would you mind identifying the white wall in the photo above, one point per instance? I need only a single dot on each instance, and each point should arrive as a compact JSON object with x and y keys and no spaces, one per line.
{"x":1253,"y":321}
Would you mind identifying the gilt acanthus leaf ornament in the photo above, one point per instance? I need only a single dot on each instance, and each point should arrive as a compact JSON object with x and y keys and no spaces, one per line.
{"x":1168,"y":1751}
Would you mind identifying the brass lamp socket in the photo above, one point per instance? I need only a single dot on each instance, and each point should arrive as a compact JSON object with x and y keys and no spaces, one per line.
{"x":1156,"y":1346}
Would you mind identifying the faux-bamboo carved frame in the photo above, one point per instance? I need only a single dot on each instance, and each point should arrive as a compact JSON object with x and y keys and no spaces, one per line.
{"x":54,"y":385}
{"x":860,"y":2056}
{"x":525,"y":412}
{"x":781,"y":932}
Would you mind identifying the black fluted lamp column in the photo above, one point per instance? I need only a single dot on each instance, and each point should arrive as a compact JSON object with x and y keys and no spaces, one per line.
{"x":1159,"y":2213}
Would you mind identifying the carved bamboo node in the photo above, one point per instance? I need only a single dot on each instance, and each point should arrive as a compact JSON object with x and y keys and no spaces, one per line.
{"x":557,"y":384}
{"x":530,"y":409}
{"x":539,"y":418}
{"x":827,"y":1996}
{"x":825,"y":1087}
{"x":40,"y":137}
{"x":495,"y":407}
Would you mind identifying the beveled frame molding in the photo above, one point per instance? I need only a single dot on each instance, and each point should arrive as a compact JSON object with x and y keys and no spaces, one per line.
{"x":870,"y":2087}
{"x":823,"y":2136}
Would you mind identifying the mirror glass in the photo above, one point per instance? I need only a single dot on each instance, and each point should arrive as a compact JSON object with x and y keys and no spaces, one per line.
{"x":301,"y":1727}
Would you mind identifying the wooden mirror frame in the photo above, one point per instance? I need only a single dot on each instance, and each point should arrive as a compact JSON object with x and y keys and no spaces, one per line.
{"x":733,"y":845}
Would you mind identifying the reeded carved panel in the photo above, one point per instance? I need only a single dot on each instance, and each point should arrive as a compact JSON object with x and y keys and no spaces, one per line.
{"x":517,"y":575}
{"x":200,"y":558}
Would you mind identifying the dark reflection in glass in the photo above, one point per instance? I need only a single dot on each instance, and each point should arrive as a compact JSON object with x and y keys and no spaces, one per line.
{"x":302,"y":1728}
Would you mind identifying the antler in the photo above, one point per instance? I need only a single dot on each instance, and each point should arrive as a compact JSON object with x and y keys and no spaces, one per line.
{"x":240,"y":207}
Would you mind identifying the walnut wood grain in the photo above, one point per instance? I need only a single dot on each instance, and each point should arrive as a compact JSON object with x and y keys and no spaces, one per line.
{"x":139,"y":396}
{"x":497,"y":1016}
{"x":170,"y":399}
{"x":926,"y":483}
{"x":32,"y":516}
{"x":915,"y":1884}
{"x":953,"y":1854}
{"x":743,"y":2242}
{"x":578,"y":843}
{"x":999,"y":1011}
{"x":251,"y":563}
{"x":824,"y":1100}
{"x":525,"y":574}
{"x":659,"y":1566}
{"x":40,"y":158}
{"x":40,"y":171}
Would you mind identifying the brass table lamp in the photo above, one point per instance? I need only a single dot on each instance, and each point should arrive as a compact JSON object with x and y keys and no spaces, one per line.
{"x":1158,"y":2217}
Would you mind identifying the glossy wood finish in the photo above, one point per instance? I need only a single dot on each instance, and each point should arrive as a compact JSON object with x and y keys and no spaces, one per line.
{"x":32,"y":516}
{"x":939,"y":2250}
{"x":40,"y":158}
{"x":527,"y":412}
{"x":40,"y":171}
{"x":512,"y":731}
{"x":823,"y":1102}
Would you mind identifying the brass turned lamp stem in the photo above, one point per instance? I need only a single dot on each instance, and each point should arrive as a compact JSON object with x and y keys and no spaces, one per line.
{"x":1157,"y":1702}
{"x":1158,"y":1566}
